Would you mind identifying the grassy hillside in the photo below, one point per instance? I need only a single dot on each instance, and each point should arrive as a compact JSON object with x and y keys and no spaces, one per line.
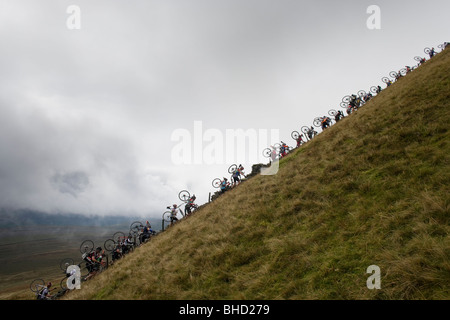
{"x":372,"y":190}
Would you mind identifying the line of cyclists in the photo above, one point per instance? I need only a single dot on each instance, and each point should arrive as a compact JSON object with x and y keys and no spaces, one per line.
{"x":189,"y":206}
{"x":351,"y":103}
{"x":94,"y":259}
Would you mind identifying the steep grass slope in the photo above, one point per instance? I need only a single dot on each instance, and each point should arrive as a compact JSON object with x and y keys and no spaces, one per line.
{"x":372,"y":190}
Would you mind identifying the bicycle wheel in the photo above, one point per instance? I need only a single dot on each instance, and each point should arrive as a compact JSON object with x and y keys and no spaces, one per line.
{"x":135,"y":227}
{"x":317,"y":122}
{"x":232,"y":169}
{"x":403,"y":71}
{"x":427,"y":50}
{"x":267,"y":152}
{"x":37,"y":284}
{"x":373,"y":89}
{"x":344,"y":105}
{"x":393,"y":74}
{"x":109,"y":245}
{"x":295,"y":135}
{"x":216,"y":182}
{"x":385,"y":79}
{"x":305,"y":130}
{"x":417,"y":58}
{"x":65,"y":263}
{"x":87,"y":246}
{"x":346,"y":99}
{"x":184,"y":195}
{"x":362,"y":93}
{"x":332,"y":112}
{"x":118,"y":237}
{"x":166,"y":216}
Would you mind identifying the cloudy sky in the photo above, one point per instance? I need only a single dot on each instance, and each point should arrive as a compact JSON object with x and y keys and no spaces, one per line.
{"x":90,"y":117}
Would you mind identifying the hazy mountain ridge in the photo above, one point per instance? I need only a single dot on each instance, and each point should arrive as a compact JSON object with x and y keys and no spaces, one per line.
{"x":25,"y":217}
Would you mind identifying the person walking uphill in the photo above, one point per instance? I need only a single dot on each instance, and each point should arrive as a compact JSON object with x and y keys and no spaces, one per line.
{"x":173,"y":213}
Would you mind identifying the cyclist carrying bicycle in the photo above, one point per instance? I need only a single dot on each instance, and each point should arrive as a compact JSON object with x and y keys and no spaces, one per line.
{"x":44,"y":294}
{"x":224,"y":185}
{"x":311,"y":133}
{"x":325,"y":122}
{"x":127,"y":244}
{"x":339,"y":115}
{"x":190,"y":205}
{"x":173,"y":213}
{"x":94,"y":260}
{"x":146,"y":232}
{"x":299,"y":140}
{"x":237,"y":175}
{"x":283,"y":149}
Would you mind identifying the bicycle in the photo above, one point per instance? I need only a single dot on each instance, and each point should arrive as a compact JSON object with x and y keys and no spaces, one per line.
{"x":305,"y":131}
{"x":338,"y":115}
{"x":429,"y":51}
{"x":37,"y":285}
{"x":395,"y":75}
{"x":323,"y":122}
{"x":353,"y":101}
{"x":86,"y":247}
{"x":119,"y":237}
{"x":420,"y":60}
{"x":167,"y":218}
{"x":136,"y":227}
{"x":296,"y":136}
{"x":309,"y":133}
{"x":184,"y":195}
{"x":347,"y":107}
{"x":375,"y":90}
{"x":216,"y":182}
{"x":92,"y":267}
{"x":387,"y":81}
{"x":273,"y":152}
{"x":442,"y":46}
{"x":110,"y":245}
{"x":65,"y":263}
{"x":403,"y":72}
{"x":115,"y":248}
{"x":232,"y":169}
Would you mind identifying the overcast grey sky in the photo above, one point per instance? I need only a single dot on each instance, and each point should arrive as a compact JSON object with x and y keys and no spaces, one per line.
{"x":87,"y":115}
